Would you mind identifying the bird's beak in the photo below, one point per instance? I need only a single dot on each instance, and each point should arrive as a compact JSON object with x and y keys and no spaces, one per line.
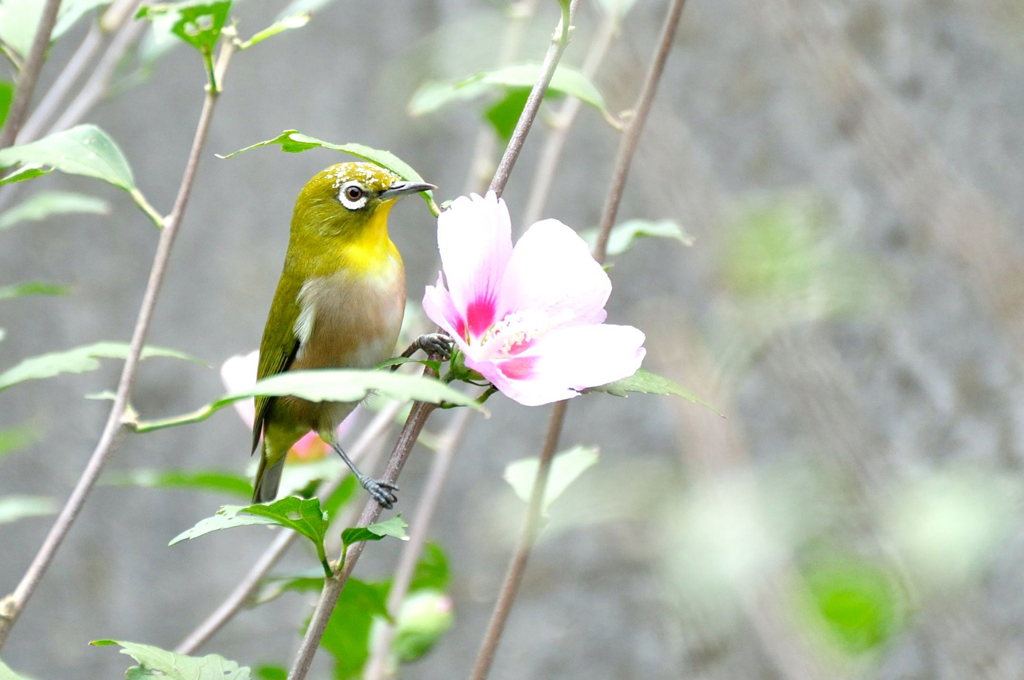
{"x":399,"y":189}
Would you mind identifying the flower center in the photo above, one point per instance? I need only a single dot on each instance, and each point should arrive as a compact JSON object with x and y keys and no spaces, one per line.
{"x":515,"y":332}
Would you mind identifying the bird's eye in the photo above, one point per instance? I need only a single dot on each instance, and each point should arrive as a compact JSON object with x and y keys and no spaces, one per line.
{"x":352,"y":196}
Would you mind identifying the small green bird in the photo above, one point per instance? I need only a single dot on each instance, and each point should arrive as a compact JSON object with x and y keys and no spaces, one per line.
{"x":339,"y":304}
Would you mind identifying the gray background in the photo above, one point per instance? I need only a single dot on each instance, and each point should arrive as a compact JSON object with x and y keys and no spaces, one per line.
{"x":899,"y":119}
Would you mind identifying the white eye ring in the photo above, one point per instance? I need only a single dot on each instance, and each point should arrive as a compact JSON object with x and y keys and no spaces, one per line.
{"x":352,"y":195}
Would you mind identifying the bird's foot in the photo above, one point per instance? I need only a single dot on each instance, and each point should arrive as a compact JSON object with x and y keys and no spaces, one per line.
{"x":436,"y":343}
{"x":382,"y":492}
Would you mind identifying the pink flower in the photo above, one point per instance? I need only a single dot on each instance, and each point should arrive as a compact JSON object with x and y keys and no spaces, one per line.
{"x":529,"y":318}
{"x":239,"y":374}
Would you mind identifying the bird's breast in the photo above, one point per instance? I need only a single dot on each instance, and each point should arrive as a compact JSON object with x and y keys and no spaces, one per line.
{"x":350,"y":319}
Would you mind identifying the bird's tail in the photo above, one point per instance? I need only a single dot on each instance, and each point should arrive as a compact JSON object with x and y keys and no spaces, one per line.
{"x":268,"y":477}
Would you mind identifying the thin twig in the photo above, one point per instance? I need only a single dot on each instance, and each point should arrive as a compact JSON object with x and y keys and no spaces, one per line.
{"x":114,"y":429}
{"x":29,"y":75}
{"x":243,"y":591}
{"x":627,"y":147}
{"x":559,"y":42}
{"x":451,"y":440}
{"x":517,"y":566}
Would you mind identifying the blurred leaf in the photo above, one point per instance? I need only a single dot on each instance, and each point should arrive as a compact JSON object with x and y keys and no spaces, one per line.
{"x":309,"y":581}
{"x":347,"y":635}
{"x":617,"y":8}
{"x":78,"y":360}
{"x":345,"y":492}
{"x":19,"y":20}
{"x":13,"y":508}
{"x":227,"y":517}
{"x":197,"y":23}
{"x":433,"y":95}
{"x":13,"y":438}
{"x":7,"y":674}
{"x":858,"y":603}
{"x":270,"y":673}
{"x":395,"y":527}
{"x":284,"y":24}
{"x":329,"y":385}
{"x":565,"y":468}
{"x":200,"y":480}
{"x":423,"y":618}
{"x":625,"y":234}
{"x":6,"y":97}
{"x":32,"y":288}
{"x":24,"y":172}
{"x":431,"y":571}
{"x":646,"y":382}
{"x":82,"y":150}
{"x":159,"y":664}
{"x":293,"y":141}
{"x":504,"y":113}
{"x":47,"y":203}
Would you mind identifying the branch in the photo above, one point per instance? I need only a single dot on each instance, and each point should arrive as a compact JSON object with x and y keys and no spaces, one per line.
{"x":531,"y":524}
{"x":29,"y":75}
{"x":12,"y":605}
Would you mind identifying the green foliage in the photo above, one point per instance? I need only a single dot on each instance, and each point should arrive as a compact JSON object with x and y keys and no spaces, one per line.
{"x":645,"y":382}
{"x":24,"y":172}
{"x":503,"y":115}
{"x":78,"y":360}
{"x":6,"y":97}
{"x":395,"y":527}
{"x":283,"y":24}
{"x":329,"y":385}
{"x":196,"y":23}
{"x":565,"y":468}
{"x":431,"y":571}
{"x":82,"y":150}
{"x":7,"y":674}
{"x":434,"y":95}
{"x":32,"y":288}
{"x":625,"y":234}
{"x":159,"y":664}
{"x":19,"y":19}
{"x":199,"y":480}
{"x":293,"y":141}
{"x":48,"y":203}
{"x":270,"y":673}
{"x":347,"y":636}
{"x":858,"y":603}
{"x":13,"y":438}
{"x":423,"y":618}
{"x":15,"y":507}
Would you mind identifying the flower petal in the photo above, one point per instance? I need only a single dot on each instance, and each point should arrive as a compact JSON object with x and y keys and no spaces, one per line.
{"x":239,"y":374}
{"x":552,"y":270}
{"x":565,"y":361}
{"x":474,"y":236}
{"x":439,"y":308}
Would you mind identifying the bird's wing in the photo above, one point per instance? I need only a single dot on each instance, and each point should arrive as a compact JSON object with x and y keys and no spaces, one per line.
{"x":278,"y":347}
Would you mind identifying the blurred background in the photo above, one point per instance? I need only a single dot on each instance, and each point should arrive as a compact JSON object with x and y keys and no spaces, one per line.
{"x":852,"y":301}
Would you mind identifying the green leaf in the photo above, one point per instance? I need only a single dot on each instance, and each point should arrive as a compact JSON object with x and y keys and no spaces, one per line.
{"x":293,"y":141}
{"x":394,"y":527}
{"x":565,"y":468}
{"x":625,"y":235}
{"x":421,"y":621}
{"x":227,"y":517}
{"x":159,"y":664}
{"x":19,"y":20}
{"x":347,"y":635}
{"x":309,"y":581}
{"x":504,"y":113}
{"x":7,"y":674}
{"x":284,"y":24}
{"x":270,"y":673}
{"x":6,"y":97}
{"x":78,"y":360}
{"x":25,"y":172}
{"x":82,"y":150}
{"x":645,"y":382}
{"x":330,"y":385}
{"x":12,"y":438}
{"x":431,"y":571}
{"x":18,"y":507}
{"x":32,"y":288}
{"x":197,"y":23}
{"x":299,"y":514}
{"x":200,"y":480}
{"x":71,"y":11}
{"x":47,"y":203}
{"x":566,"y":81}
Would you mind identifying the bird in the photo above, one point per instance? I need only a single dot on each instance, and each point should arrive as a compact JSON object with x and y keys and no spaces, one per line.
{"x":339,"y":304}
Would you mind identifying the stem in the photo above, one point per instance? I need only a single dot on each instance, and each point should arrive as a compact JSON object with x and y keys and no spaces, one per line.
{"x":371,"y":511}
{"x":451,"y":440}
{"x":114,"y":429}
{"x":29,"y":75}
{"x":238,"y":597}
{"x":531,"y":525}
{"x":533,"y":101}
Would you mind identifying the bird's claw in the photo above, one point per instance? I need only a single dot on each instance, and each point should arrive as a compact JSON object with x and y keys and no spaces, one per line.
{"x":383,"y":492}
{"x":436,"y":343}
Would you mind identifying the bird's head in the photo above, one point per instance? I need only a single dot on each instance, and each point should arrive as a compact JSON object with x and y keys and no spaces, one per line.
{"x":346,"y":199}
